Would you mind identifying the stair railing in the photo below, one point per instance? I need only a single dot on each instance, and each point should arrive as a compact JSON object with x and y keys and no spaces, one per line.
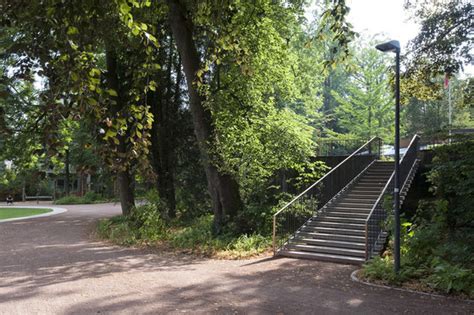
{"x":294,"y":214}
{"x":374,"y":224}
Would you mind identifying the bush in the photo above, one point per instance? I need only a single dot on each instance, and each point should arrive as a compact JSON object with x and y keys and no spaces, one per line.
{"x":148,"y":223}
{"x":89,"y":198}
{"x":145,"y":226}
{"x":118,"y":230}
{"x":249,"y":245}
{"x":92,"y":197}
{"x":451,"y":278}
{"x":436,"y":249}
{"x":197,"y":236}
{"x":70,"y":200}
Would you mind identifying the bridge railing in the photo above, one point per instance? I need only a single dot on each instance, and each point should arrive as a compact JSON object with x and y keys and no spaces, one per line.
{"x":374,"y":224}
{"x":294,"y":214}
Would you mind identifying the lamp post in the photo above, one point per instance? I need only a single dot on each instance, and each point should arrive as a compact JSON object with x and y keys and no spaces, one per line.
{"x":394,"y":46}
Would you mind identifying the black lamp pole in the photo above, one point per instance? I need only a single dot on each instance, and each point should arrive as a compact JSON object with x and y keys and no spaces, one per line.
{"x":394,"y":46}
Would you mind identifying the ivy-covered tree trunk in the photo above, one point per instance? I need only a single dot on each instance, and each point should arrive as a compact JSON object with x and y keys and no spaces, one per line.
{"x":124,"y":178}
{"x":224,"y":190}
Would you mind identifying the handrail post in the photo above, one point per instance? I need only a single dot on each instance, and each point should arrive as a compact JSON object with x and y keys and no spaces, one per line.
{"x":331,"y":176}
{"x":366,"y":241}
{"x":274,"y":235}
{"x":407,"y":161}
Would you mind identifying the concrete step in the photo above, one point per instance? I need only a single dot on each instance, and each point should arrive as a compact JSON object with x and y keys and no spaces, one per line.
{"x":351,"y":195}
{"x":329,"y":236}
{"x":327,"y":250}
{"x":322,"y":257}
{"x":366,"y":190}
{"x":369,"y":184}
{"x":361,"y":215}
{"x":347,"y":209}
{"x":378,"y":181}
{"x":375,"y":175}
{"x":353,"y":201}
{"x":331,"y":218}
{"x":328,"y":243}
{"x":343,"y":203}
{"x":332,"y":230}
{"x":384,"y":171}
{"x":348,"y":226}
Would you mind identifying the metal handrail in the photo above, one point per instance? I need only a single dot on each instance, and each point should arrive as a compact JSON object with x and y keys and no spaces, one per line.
{"x":313,"y":185}
{"x":384,"y":191}
{"x":389,"y":181}
{"x":322,"y":178}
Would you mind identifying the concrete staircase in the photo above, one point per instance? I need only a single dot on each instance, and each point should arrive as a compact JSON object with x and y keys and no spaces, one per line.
{"x":337,"y":232}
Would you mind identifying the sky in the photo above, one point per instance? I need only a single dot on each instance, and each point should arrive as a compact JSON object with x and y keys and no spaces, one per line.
{"x":386,"y":18}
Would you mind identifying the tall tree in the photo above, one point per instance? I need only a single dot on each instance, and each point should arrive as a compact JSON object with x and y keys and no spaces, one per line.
{"x":223,"y":188}
{"x":365,"y":102}
{"x":445,"y":41}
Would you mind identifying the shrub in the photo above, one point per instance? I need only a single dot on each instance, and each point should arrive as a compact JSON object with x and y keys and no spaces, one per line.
{"x":117,"y":229}
{"x":197,"y":236}
{"x":437,"y":247}
{"x":70,"y":200}
{"x":148,"y":223}
{"x":89,"y":198}
{"x":451,"y":278}
{"x":246,"y":245}
{"x":380,"y":268}
{"x":146,"y":226}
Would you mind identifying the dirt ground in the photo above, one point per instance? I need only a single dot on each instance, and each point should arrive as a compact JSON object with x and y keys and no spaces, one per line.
{"x":51,"y":266}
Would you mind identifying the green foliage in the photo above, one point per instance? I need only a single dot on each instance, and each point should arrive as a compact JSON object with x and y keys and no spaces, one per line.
{"x":429,"y":115}
{"x":117,"y":229}
{"x":89,"y":198}
{"x":437,"y":247}
{"x":452,"y":278}
{"x":147,"y":223}
{"x":145,"y":226}
{"x":365,"y":100}
{"x":198,"y":235}
{"x":380,"y":268}
{"x":199,"y":238}
{"x":445,"y":39}
{"x":142,"y":226}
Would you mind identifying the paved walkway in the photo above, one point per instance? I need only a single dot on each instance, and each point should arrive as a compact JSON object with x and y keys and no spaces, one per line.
{"x":50,"y":266}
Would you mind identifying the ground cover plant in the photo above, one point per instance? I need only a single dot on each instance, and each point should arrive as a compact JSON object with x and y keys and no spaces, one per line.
{"x":88,"y":198}
{"x":438,"y":242}
{"x":147,"y":227}
{"x":13,"y":212}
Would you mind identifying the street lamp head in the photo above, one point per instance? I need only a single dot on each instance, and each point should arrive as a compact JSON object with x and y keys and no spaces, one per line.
{"x":392,"y":45}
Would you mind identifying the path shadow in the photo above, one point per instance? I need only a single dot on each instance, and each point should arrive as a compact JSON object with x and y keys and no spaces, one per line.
{"x":47,"y":251}
{"x":274,"y":287}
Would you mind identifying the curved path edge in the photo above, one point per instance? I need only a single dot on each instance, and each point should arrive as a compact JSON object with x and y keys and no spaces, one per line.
{"x":55,"y":211}
{"x":434,"y":295}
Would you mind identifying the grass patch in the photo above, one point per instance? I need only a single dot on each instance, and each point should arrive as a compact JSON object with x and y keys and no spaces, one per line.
{"x":145,"y":227}
{"x":10,"y":213}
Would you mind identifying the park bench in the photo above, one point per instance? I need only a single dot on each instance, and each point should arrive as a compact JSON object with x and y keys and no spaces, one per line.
{"x":38,"y":198}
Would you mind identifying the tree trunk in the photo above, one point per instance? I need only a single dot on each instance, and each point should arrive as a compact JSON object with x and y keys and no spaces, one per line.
{"x":223,"y":188}
{"x":67,"y":178}
{"x":164,"y":110}
{"x":124,"y":178}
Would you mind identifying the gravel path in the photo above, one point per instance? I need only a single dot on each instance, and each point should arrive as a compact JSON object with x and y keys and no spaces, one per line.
{"x":50,"y":266}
